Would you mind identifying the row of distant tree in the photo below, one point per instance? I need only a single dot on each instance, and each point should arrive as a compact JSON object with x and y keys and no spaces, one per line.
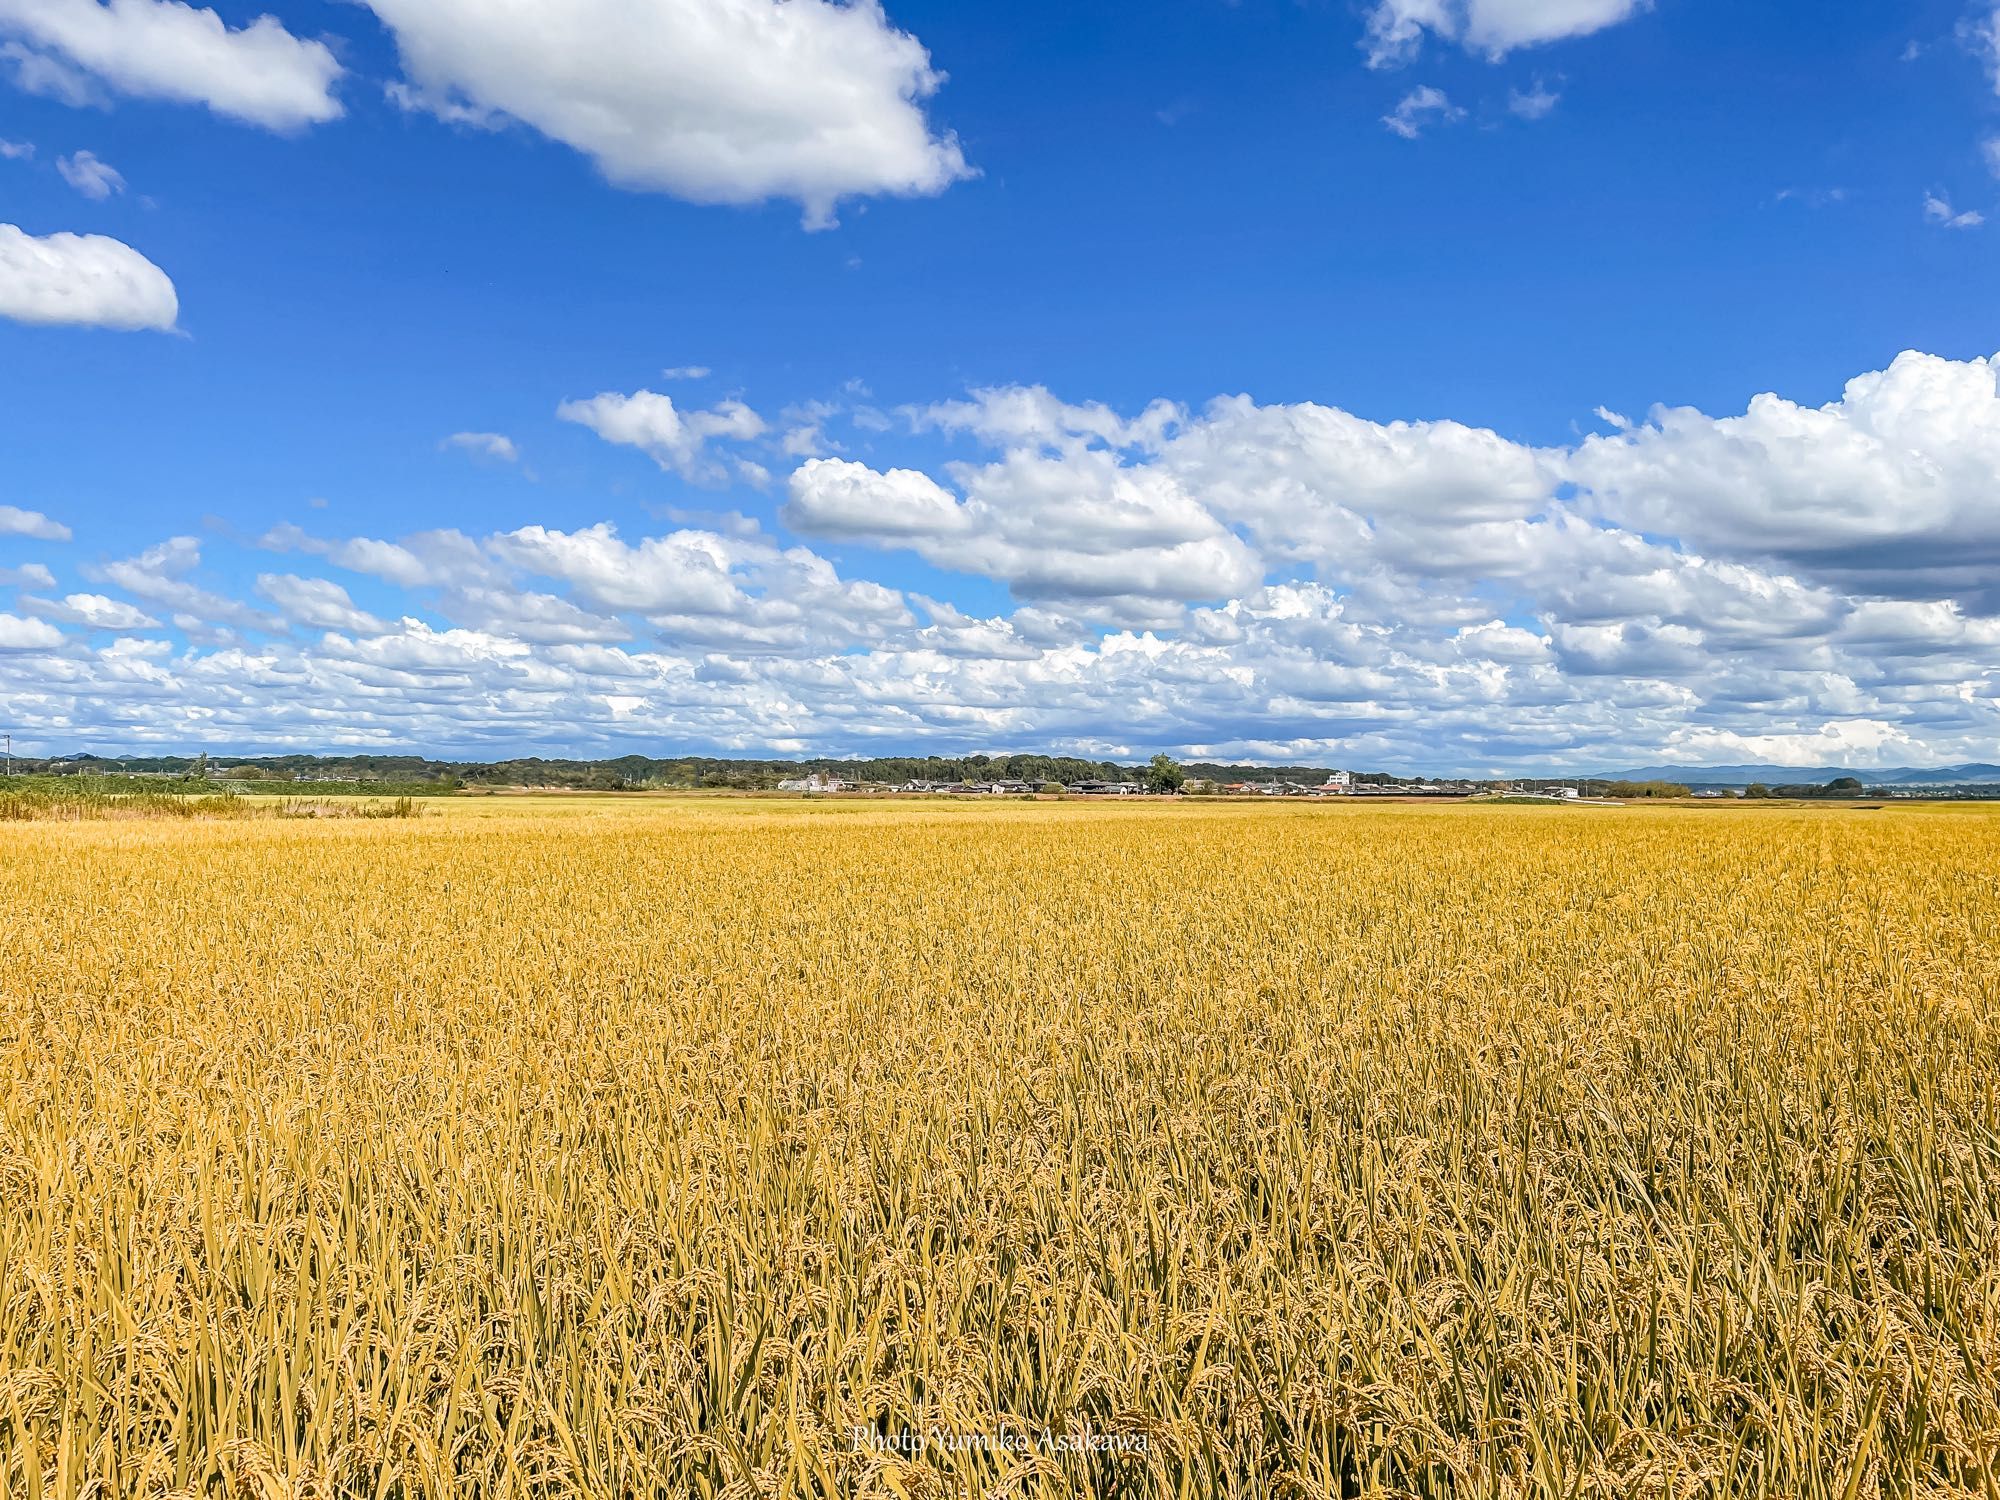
{"x":416,"y":773}
{"x":1844,"y":786}
{"x":1840,"y":786}
{"x":635,"y":772}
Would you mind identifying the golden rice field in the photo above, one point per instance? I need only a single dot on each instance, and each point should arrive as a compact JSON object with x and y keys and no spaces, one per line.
{"x":730,"y":1148}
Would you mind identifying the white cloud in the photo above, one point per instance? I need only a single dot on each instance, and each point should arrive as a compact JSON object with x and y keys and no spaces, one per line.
{"x":1938,"y":210}
{"x":38,"y":73}
{"x":27,"y":576}
{"x":95,"y":179}
{"x":1980,"y":35}
{"x":1289,"y":581}
{"x":525,"y":615}
{"x":425,"y":559}
{"x":1313,"y":477}
{"x":160,"y":575}
{"x":714,"y":101}
{"x":703,"y":587}
{"x":1631,"y":648}
{"x":1537,"y":103}
{"x":1082,"y":528}
{"x":805,"y":430}
{"x":84,"y":279}
{"x":692,"y":585}
{"x":1890,"y":488}
{"x":259,"y":74}
{"x":685,"y":372}
{"x":1491,"y":27}
{"x":1865,"y":742}
{"x":674,"y":439}
{"x":17,"y":634}
{"x":835,"y":498}
{"x":496,"y":445}
{"x":687,"y":572}
{"x":1419,"y":108}
{"x":16,"y":150}
{"x":1496,"y":640}
{"x":1032,"y":414}
{"x":1989,"y":150}
{"x":32,"y":523}
{"x":93,"y":610}
{"x":318,"y":603}
{"x":1286,"y":672}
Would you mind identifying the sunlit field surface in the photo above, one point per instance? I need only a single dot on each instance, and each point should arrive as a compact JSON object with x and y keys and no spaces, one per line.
{"x":634,"y":1147}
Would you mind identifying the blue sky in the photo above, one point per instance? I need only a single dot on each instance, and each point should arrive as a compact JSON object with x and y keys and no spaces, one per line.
{"x":1377,"y":383}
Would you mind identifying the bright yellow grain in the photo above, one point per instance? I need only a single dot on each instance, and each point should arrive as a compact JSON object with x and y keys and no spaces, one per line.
{"x":650,"y":1148}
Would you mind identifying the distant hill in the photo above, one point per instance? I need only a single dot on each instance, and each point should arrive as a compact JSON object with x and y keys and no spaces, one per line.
{"x":1974,"y":774}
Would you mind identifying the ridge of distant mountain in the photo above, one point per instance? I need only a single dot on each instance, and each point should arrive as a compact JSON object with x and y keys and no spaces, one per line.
{"x":1975,"y":773}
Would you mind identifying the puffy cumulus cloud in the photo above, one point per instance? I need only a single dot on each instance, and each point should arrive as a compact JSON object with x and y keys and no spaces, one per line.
{"x":259,"y":74}
{"x":31,"y":523}
{"x":442,"y":559}
{"x":92,"y":610}
{"x":1496,"y":640}
{"x":1034,"y":416}
{"x":1862,"y":742}
{"x":17,"y":634}
{"x":1892,"y":621}
{"x":1284,"y":673}
{"x":1887,"y":490}
{"x":1081,"y":527}
{"x":27,"y":576}
{"x":317,"y":603}
{"x":1314,"y":482}
{"x":706,"y":588}
{"x":85,"y":279}
{"x":526,"y":615}
{"x":835,"y":498}
{"x":953,"y":632}
{"x":688,"y":572}
{"x":689,"y":586}
{"x":1493,"y":28}
{"x":1776,"y":515}
{"x":714,"y":101}
{"x":1632,"y":648}
{"x":161,"y":575}
{"x":1287,"y":581}
{"x":1134,"y":518}
{"x":672,"y":438}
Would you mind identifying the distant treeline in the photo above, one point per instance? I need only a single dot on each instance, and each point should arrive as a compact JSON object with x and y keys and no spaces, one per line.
{"x":1842,"y":786}
{"x":415,"y":774}
{"x":1623,"y":790}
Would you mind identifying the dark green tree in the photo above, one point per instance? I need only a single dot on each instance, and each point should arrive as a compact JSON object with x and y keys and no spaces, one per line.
{"x":1165,"y":774}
